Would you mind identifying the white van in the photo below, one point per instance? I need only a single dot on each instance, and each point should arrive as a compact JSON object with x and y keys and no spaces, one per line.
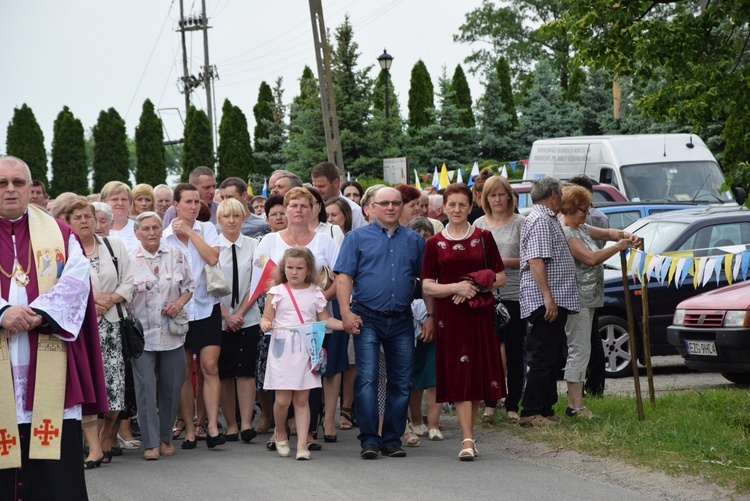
{"x":648,"y":167}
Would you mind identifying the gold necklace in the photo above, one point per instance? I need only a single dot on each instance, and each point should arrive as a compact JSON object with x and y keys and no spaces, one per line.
{"x":21,"y":277}
{"x":295,"y":241}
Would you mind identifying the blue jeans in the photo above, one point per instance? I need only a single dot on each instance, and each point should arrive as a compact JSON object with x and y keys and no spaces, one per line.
{"x":396,"y":335}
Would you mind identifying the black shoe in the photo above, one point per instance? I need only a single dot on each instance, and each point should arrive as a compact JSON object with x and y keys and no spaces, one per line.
{"x":394,"y":451}
{"x":189,"y":444}
{"x":271,"y":445}
{"x":330,"y":438}
{"x":116,"y":451}
{"x":232,"y":437}
{"x":314,"y":446}
{"x":369,"y":451}
{"x":248,"y":435}
{"x":219,"y":439}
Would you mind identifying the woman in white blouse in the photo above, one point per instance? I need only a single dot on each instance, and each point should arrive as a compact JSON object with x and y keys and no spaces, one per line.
{"x":163,"y":285}
{"x":241,"y":332}
{"x":200,"y":244}
{"x":119,"y":197}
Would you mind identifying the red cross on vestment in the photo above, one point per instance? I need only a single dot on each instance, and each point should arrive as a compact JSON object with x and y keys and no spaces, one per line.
{"x":7,"y":441}
{"x":46,"y":431}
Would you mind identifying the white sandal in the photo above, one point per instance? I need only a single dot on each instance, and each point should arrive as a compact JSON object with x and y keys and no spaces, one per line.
{"x":469,"y":453}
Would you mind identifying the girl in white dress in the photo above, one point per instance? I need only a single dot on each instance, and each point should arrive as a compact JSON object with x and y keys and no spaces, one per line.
{"x":296,"y":300}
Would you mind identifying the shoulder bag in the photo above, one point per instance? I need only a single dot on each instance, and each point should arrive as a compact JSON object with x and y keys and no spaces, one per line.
{"x":131,"y":329}
{"x":216,"y":282}
{"x":502,"y":316}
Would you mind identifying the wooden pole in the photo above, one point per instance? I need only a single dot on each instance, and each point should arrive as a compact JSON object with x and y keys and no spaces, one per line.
{"x":631,"y":335}
{"x":647,"y":336}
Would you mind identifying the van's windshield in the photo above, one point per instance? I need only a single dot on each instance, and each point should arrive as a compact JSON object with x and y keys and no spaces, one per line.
{"x":675,"y":181}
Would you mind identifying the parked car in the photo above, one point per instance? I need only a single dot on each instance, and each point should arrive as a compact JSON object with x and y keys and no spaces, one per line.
{"x":602,"y":193}
{"x":703,"y":231}
{"x":711,"y":331}
{"x":622,"y":214}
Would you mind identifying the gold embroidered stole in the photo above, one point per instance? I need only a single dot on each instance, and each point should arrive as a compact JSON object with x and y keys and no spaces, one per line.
{"x":51,"y":364}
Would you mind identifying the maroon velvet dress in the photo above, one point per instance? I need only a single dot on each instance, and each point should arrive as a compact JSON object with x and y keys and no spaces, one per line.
{"x":467,"y":353}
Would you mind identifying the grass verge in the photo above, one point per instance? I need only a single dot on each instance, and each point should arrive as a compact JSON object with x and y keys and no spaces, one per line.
{"x":703,"y":433}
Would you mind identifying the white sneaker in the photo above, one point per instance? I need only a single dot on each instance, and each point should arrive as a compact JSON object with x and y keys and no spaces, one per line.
{"x":435,"y":434}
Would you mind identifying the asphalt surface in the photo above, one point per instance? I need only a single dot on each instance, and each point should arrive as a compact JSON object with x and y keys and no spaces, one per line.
{"x":238,"y":471}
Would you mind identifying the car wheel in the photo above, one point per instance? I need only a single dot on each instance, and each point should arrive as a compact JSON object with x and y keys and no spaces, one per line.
{"x":741,"y":378}
{"x":614,"y":333}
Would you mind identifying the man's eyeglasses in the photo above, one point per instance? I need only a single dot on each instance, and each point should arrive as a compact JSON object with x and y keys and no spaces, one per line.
{"x":17,"y":182}
{"x":386,"y":203}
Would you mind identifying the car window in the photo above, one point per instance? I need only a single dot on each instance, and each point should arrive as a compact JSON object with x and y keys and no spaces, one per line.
{"x":602,"y":196}
{"x":620,"y":220}
{"x":524,"y":200}
{"x":719,"y":235}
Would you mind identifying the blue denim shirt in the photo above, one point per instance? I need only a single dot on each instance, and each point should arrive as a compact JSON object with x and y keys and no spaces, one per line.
{"x":382,"y":265}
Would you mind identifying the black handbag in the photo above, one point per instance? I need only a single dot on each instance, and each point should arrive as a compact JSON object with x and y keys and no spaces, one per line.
{"x":502,"y":316}
{"x":131,"y":329}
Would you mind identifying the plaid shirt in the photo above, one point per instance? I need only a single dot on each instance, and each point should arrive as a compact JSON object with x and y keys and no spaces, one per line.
{"x":542,"y":237}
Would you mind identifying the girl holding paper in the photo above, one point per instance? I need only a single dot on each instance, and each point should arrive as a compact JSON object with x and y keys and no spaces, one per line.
{"x":296,"y":300}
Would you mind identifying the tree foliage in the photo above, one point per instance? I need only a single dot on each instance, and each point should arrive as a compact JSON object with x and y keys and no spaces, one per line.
{"x":111,"y":157}
{"x":701,"y":54}
{"x":307,"y":144}
{"x":523,"y":31}
{"x":506,"y":90}
{"x":263,"y":111}
{"x":151,"y":160}
{"x":235,"y":153}
{"x":495,"y":124}
{"x":69,"y":171}
{"x":462,"y":98}
{"x":25,"y":140}
{"x":270,"y":149}
{"x":198,"y":149}
{"x":421,"y":98}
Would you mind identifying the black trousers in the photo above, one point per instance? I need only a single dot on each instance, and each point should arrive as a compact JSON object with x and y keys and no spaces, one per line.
{"x":597,"y":371}
{"x":515,"y":357}
{"x":44,"y":479}
{"x":547,"y":349}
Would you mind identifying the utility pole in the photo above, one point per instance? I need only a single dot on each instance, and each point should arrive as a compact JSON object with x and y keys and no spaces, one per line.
{"x":327,"y":98}
{"x":207,"y":75}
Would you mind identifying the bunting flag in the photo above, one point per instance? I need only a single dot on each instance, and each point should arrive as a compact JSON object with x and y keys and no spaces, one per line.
{"x":262,"y":272}
{"x":416,"y":180}
{"x":459,"y":177}
{"x":443,"y":179}
{"x":436,"y":179}
{"x":504,"y":172}
{"x":675,"y":267}
{"x":474,"y":173}
{"x":264,"y":191}
{"x":348,"y":176}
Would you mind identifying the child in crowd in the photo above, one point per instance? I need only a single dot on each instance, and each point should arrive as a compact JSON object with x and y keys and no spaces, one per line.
{"x":294,"y":301}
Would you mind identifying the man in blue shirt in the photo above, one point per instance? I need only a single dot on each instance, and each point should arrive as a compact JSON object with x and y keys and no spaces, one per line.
{"x":377,"y":267}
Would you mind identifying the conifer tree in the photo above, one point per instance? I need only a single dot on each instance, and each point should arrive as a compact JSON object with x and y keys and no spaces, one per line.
{"x":270,"y":149}
{"x":69,"y":171}
{"x":263,"y":111}
{"x":495,"y":124}
{"x":462,"y":98}
{"x":151,"y":160}
{"x":235,"y":153}
{"x":198,"y":144}
{"x":25,"y":140}
{"x":506,"y":90}
{"x":111,"y":158}
{"x":307,"y":144}
{"x":421,"y":98}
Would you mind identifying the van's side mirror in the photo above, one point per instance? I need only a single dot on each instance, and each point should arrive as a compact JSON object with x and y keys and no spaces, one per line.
{"x":739,"y":195}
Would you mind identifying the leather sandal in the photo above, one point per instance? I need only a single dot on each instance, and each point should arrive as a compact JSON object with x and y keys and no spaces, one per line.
{"x":469,"y":453}
{"x":345,"y":414}
{"x":178,"y":428}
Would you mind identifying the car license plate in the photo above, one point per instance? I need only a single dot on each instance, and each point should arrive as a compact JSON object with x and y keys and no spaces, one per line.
{"x":703,"y":348}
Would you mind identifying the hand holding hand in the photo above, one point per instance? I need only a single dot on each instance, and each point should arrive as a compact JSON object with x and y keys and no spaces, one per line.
{"x":352,"y":322}
{"x":266,"y":325}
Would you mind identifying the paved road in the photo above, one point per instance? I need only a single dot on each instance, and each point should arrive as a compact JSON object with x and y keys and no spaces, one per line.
{"x":504,"y":470}
{"x":432,"y":471}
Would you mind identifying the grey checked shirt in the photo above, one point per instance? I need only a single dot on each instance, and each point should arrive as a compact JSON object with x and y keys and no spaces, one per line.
{"x":542,"y":237}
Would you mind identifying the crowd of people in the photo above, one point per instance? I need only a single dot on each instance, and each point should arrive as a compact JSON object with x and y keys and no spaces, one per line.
{"x":406,"y":281}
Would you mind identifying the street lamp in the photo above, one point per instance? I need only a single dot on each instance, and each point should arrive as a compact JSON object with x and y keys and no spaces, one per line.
{"x":385,"y":61}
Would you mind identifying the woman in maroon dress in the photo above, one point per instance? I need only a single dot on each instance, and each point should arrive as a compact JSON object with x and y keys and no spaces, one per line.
{"x":461,"y":267}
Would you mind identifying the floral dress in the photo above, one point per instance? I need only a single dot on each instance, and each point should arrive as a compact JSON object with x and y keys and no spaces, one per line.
{"x":114,"y":364}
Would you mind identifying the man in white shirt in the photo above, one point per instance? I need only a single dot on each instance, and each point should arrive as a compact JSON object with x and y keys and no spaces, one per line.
{"x":326,"y":178}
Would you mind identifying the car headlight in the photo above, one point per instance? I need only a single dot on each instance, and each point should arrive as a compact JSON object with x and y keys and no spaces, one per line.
{"x":735,"y":318}
{"x":679,"y":317}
